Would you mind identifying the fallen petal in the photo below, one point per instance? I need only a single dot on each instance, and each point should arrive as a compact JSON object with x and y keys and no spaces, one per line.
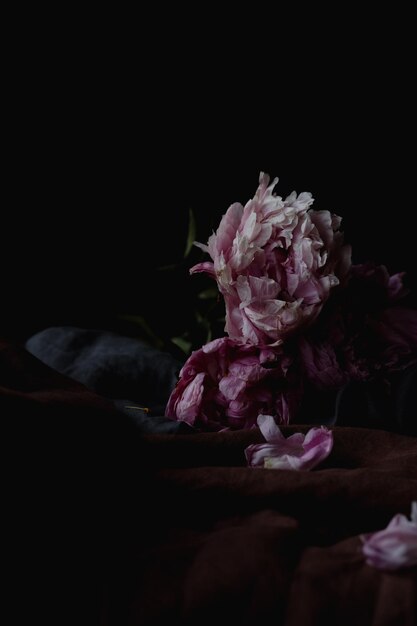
{"x":297,"y":452}
{"x":395,"y":546}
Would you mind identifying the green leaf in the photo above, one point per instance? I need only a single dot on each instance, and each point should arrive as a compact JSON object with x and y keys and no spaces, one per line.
{"x":183,"y":344}
{"x":191,"y":233}
{"x":201,"y":319}
{"x":146,"y":331}
{"x":208,"y":294}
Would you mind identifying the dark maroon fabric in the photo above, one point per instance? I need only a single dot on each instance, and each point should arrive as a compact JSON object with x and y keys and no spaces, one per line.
{"x":176,"y":530}
{"x":280,"y":545}
{"x":69,"y":464}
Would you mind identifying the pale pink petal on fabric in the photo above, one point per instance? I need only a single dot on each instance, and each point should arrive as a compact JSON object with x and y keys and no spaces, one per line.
{"x":257,"y":453}
{"x":269,"y":428}
{"x":394,"y":547}
{"x":297,"y":452}
{"x":318,"y":444}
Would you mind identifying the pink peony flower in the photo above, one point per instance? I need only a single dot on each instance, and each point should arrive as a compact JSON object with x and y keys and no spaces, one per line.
{"x":297,"y":452}
{"x":226,"y":385}
{"x":275,"y":262}
{"x":395,"y":546}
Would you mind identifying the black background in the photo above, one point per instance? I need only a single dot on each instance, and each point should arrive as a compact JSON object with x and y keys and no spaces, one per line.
{"x":110,"y":148}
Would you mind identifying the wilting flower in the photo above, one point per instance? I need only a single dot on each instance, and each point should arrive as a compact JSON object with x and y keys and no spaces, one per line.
{"x":361,"y":332}
{"x":275,"y":262}
{"x":297,"y":452}
{"x":395,"y":546}
{"x":320,"y":364}
{"x":226,"y":385}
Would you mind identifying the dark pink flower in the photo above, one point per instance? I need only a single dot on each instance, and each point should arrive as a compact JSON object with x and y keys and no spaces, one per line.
{"x":297,"y":452}
{"x":395,"y":546}
{"x":362,"y":330}
{"x":227,"y":385}
{"x":320,"y":364}
{"x":275,"y":262}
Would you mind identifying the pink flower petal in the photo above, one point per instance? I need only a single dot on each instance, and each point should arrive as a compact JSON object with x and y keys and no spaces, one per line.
{"x":269,"y":428}
{"x":299,"y":452}
{"x":395,"y":546}
{"x":189,"y":404}
{"x":206,"y":267}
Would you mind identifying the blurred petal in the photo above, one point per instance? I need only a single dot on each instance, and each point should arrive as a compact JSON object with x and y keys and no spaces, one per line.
{"x":395,"y":546}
